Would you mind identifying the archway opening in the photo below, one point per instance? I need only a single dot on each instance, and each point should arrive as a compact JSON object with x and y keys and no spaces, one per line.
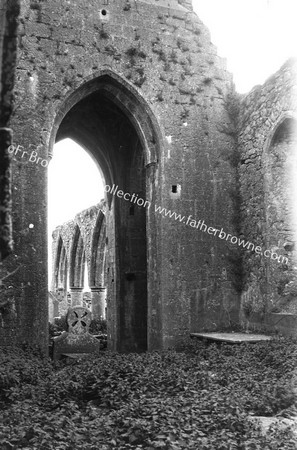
{"x":281,"y":216}
{"x":99,"y":124}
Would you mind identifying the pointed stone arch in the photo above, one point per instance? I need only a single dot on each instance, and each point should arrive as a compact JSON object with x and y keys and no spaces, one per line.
{"x":108,"y":117}
{"x":58,"y":295}
{"x":98,"y":252}
{"x":77,"y":265}
{"x":61,"y":266}
{"x":285,"y":117}
{"x":98,"y":268}
{"x":128,"y":99}
{"x":280,"y":187}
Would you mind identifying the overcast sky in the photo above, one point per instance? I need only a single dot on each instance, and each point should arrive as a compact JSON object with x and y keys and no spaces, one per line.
{"x":256,"y":36}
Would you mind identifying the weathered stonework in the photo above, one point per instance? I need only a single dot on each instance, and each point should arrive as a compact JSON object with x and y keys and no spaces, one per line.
{"x":267,"y":143}
{"x":149,"y":71}
{"x":9,"y":11}
{"x":140,"y":86}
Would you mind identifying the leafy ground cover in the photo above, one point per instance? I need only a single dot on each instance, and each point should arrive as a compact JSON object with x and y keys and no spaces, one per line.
{"x":198,"y":398}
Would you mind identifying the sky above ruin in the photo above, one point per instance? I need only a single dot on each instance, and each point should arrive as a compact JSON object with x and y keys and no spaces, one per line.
{"x":256,"y":36}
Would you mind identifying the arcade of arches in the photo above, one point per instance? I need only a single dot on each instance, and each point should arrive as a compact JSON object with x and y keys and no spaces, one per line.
{"x":78,"y":245}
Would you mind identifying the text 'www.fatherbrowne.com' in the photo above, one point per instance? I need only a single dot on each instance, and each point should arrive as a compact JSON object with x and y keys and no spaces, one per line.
{"x":198,"y":224}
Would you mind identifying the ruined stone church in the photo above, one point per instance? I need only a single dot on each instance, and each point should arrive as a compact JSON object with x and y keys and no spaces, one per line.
{"x":140,"y":86}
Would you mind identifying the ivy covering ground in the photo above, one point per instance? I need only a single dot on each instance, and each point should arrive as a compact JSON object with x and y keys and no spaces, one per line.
{"x":198,"y":398}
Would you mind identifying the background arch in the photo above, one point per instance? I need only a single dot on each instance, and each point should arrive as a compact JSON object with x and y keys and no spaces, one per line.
{"x":280,"y":187}
{"x":77,"y":260}
{"x":98,"y":253}
{"x":61,"y":266}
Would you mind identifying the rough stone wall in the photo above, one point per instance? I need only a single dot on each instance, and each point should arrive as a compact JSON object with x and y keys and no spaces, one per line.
{"x":161,"y":52}
{"x":267,"y":144}
{"x":281,"y":216}
{"x":9,"y":11}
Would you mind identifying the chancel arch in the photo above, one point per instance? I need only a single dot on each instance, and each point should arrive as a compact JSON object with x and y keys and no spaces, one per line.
{"x":110,"y":119}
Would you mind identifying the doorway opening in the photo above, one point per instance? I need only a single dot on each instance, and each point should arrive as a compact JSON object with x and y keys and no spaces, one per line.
{"x":111,"y":120}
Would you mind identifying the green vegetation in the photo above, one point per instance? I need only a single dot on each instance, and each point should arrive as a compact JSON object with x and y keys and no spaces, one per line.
{"x":197,"y":398}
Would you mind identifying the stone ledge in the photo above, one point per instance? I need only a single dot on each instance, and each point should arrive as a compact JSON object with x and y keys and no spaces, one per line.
{"x":76,"y":356}
{"x":171,"y":4}
{"x":232,"y":338}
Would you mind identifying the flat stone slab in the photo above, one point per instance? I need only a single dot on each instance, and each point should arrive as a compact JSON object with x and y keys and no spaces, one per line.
{"x":76,"y":355}
{"x":233,"y":338}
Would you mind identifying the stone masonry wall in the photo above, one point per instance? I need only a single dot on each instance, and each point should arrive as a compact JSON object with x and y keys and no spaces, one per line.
{"x":267,"y":144}
{"x":9,"y":11}
{"x":161,"y":52}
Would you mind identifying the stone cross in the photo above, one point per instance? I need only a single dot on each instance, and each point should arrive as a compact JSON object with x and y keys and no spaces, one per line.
{"x":77,"y":341}
{"x":78,"y":320}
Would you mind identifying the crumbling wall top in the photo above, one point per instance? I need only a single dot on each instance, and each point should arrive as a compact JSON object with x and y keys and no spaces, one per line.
{"x":173,"y":4}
